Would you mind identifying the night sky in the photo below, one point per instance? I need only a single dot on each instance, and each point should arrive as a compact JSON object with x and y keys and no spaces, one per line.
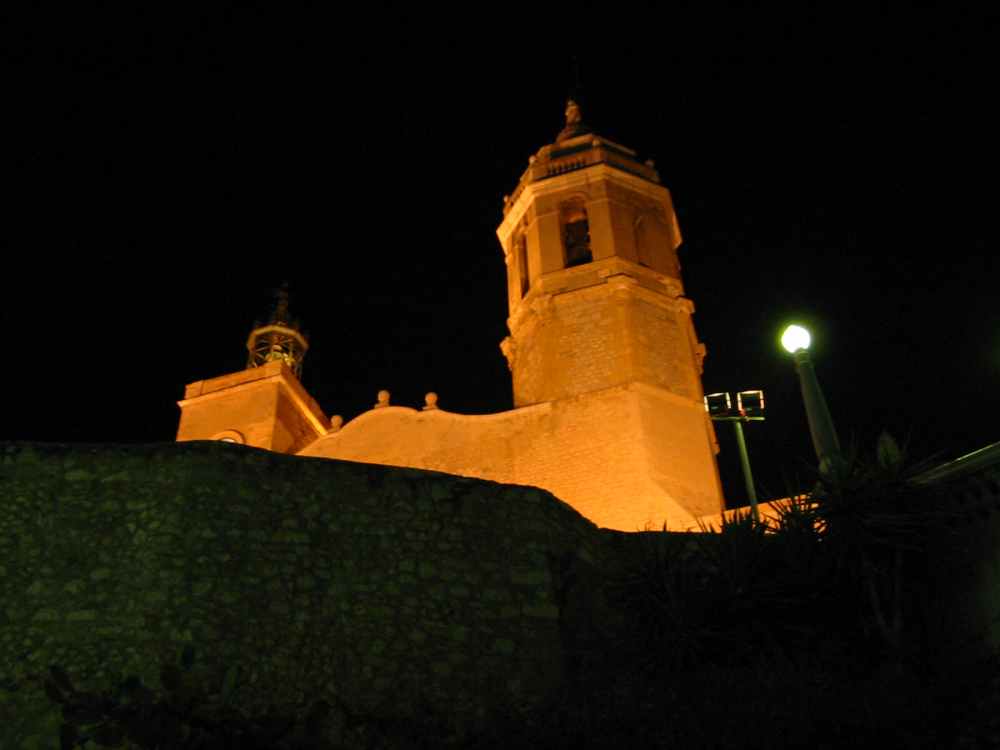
{"x":165,"y":173}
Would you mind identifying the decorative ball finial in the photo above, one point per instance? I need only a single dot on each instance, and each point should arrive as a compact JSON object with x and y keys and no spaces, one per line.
{"x":430,"y":401}
{"x":383,"y":399}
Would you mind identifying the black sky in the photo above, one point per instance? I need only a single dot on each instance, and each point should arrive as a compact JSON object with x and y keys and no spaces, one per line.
{"x":165,"y":172}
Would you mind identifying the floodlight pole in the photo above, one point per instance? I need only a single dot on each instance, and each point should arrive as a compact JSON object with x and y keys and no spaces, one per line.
{"x":738,"y":416}
{"x":824,"y":436}
{"x":745,"y":463}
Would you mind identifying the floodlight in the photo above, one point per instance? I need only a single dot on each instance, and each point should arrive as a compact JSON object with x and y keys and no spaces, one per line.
{"x":750,"y":403}
{"x":718,"y":404}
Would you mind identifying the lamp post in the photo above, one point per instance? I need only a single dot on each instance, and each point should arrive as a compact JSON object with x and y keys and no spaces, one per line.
{"x":749,"y":408}
{"x":796,"y":340}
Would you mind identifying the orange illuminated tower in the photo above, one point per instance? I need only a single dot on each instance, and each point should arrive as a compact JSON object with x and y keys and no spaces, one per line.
{"x":598,"y":312}
{"x":265,"y":405}
{"x":606,"y":366}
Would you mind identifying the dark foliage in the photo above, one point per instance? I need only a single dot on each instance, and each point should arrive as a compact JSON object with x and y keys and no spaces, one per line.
{"x":828,"y":600}
{"x":180,"y":716}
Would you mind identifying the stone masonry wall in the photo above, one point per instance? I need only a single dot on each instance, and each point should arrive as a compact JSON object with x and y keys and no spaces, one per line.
{"x":389,"y":592}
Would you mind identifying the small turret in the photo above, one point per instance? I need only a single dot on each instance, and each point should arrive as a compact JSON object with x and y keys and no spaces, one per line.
{"x":280,"y":339}
{"x":264,"y":405}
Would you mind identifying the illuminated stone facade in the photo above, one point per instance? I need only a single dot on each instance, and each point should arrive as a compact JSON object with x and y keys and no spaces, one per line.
{"x":605,"y":361}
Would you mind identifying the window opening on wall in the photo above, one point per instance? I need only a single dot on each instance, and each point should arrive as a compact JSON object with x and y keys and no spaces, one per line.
{"x":576,"y":235}
{"x":230,"y":436}
{"x":522,"y":264}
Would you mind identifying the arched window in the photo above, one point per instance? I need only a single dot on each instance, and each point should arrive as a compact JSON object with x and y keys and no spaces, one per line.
{"x":521,"y":246}
{"x":230,"y":436}
{"x":576,"y":234}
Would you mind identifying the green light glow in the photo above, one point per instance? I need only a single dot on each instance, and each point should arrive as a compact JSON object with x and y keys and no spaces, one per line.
{"x":795,"y":338}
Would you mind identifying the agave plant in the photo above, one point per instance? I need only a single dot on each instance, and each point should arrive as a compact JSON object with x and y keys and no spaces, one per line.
{"x":874,"y":525}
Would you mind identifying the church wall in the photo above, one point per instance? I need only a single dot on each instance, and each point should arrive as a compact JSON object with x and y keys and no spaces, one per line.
{"x":588,"y":450}
{"x":680,"y":447}
{"x":291,"y":430}
{"x":249,"y":410}
{"x":571,"y":344}
{"x":623,"y":218}
{"x":601,"y":221}
{"x":513,"y":278}
{"x":472,"y":446}
{"x":545,"y":230}
{"x":266,"y":406}
{"x":662,"y":350}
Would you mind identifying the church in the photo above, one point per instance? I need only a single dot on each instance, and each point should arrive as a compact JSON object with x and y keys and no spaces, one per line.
{"x":609,"y":411}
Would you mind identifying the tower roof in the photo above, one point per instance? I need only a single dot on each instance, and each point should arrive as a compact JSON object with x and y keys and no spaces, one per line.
{"x":280,"y":339}
{"x":578,"y":147}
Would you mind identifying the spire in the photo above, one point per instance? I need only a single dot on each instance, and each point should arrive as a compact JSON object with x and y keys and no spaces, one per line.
{"x":280,"y":339}
{"x":280,"y":315}
{"x":574,"y":122}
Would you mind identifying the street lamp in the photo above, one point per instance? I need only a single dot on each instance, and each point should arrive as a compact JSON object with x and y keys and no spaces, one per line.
{"x":749,"y":408}
{"x":796,"y":340}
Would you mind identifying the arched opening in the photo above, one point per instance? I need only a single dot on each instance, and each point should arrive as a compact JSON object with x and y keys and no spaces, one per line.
{"x":521,"y":249}
{"x":575,"y":234}
{"x":230,"y":436}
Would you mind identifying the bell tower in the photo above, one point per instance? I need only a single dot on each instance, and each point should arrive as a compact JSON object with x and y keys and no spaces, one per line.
{"x":265,"y":405}
{"x":597,"y":304}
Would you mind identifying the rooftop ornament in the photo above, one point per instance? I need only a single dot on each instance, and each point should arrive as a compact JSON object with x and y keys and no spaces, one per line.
{"x":574,"y":123}
{"x":280,"y":339}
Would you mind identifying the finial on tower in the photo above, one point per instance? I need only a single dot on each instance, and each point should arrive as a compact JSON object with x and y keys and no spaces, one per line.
{"x":574,"y":122}
{"x":280,"y":315}
{"x":280,"y":339}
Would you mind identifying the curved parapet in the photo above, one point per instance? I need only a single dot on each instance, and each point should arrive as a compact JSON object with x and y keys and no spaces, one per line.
{"x":480,"y":445}
{"x":600,"y":452}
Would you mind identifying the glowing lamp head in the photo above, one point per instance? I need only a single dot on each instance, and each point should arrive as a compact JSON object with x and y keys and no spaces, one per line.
{"x":795,"y":338}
